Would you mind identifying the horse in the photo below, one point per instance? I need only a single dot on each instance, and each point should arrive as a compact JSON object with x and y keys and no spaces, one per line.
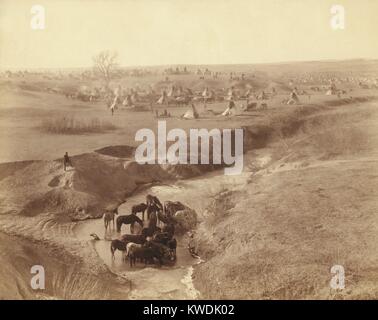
{"x":171,"y":207}
{"x":164,"y":218}
{"x":162,"y":237}
{"x":118,"y":245}
{"x":151,"y":230}
{"x":145,"y":254}
{"x":169,"y":228}
{"x":147,"y":232}
{"x":165,"y":250}
{"x":135,"y":238}
{"x":150,"y":200}
{"x":136,"y":228}
{"x":152,"y":222}
{"x":128,"y":219}
{"x":152,"y":208}
{"x":109,"y":216}
{"x":130,"y":246}
{"x":172,"y":245}
{"x":141,"y":207}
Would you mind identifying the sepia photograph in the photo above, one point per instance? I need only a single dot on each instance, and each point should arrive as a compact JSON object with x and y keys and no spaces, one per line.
{"x":156,"y":150}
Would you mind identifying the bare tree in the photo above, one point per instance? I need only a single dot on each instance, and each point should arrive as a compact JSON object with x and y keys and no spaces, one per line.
{"x":105,"y":64}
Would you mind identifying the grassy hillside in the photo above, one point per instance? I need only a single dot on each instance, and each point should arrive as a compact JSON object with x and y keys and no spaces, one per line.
{"x":313,"y":206}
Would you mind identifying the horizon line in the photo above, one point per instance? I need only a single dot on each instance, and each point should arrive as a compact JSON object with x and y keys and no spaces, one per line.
{"x":201,"y":64}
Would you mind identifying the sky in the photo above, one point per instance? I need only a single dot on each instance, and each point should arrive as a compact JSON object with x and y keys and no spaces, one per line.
{"x":161,"y":32}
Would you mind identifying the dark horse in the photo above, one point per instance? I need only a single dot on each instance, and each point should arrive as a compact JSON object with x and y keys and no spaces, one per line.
{"x":128,"y":219}
{"x":152,"y":200}
{"x":151,"y":227}
{"x":118,"y":245}
{"x":141,"y":207}
{"x":152,"y":209}
{"x":135,"y":238}
{"x":164,"y":218}
{"x":152,"y":222}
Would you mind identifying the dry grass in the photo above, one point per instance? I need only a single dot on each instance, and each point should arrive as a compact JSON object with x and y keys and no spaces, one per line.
{"x":279,"y":237}
{"x":78,"y":286}
{"x":70,"y":125}
{"x":342,"y":141}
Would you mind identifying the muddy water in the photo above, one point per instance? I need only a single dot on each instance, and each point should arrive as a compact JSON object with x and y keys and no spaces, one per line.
{"x":167,"y":282}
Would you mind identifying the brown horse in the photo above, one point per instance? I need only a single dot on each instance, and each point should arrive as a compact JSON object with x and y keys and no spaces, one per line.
{"x":164,"y":218}
{"x":152,"y":208}
{"x":171,"y":207}
{"x":128,"y":219}
{"x":118,"y":245}
{"x":141,"y":207}
{"x":152,"y":222}
{"x":152,"y":200}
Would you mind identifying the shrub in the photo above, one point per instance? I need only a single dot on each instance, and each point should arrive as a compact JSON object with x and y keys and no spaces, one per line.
{"x":70,"y":125}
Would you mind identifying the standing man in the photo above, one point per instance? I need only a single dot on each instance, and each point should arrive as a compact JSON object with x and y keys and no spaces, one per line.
{"x":66,"y":161}
{"x":114,"y":104}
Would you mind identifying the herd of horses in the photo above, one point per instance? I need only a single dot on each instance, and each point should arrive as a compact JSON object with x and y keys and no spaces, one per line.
{"x":153,"y":243}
